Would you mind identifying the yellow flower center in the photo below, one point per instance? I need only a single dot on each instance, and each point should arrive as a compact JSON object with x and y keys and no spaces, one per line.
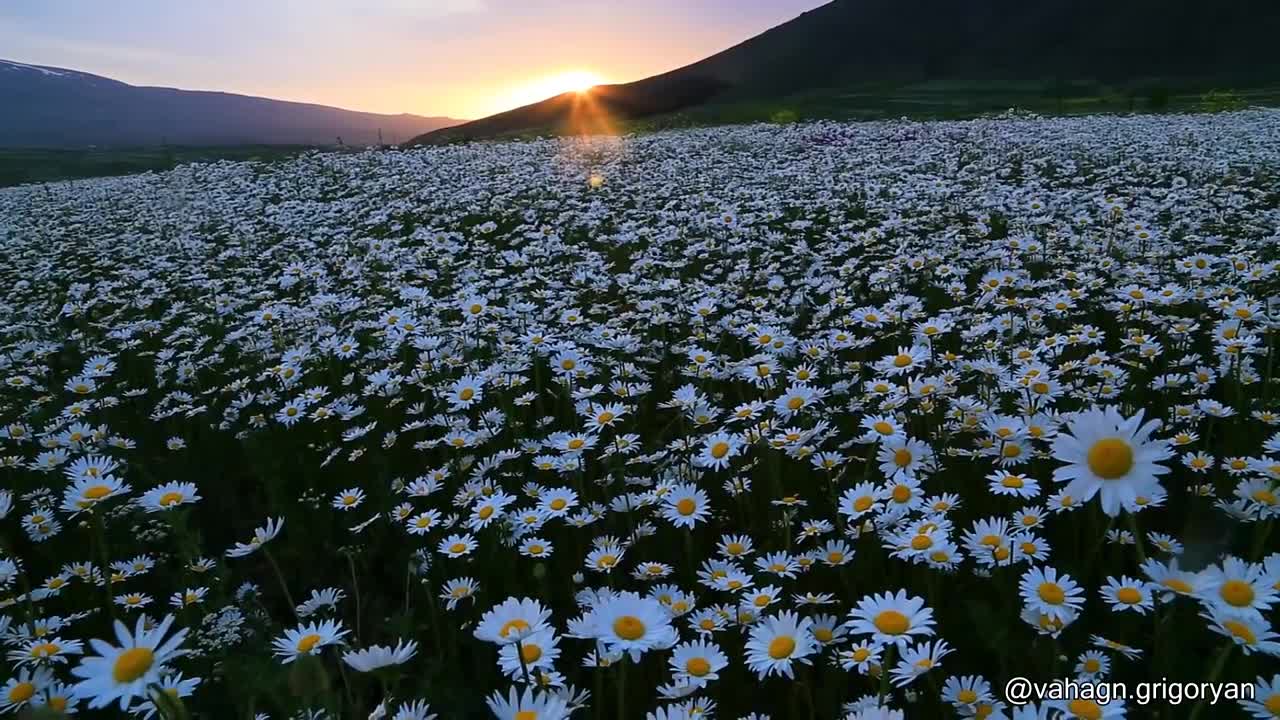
{"x":1110,"y":458}
{"x":781,"y":647}
{"x":891,"y":622}
{"x":795,"y":403}
{"x":697,"y":667}
{"x":530,"y":653}
{"x":1051,"y":593}
{"x":921,"y":542}
{"x":902,"y":360}
{"x":576,"y":443}
{"x":629,"y":627}
{"x":527,"y":715}
{"x":21,"y":693}
{"x":1237,"y":593}
{"x":901,"y":458}
{"x":97,"y":492}
{"x":517,"y":625}
{"x":134,"y":663}
{"x":686,"y":507}
{"x":308,"y":643}
{"x":1012,"y":481}
{"x":1084,"y":709}
{"x":170,"y":498}
{"x":1129,"y":596}
{"x":457,"y":548}
{"x":719,"y":450}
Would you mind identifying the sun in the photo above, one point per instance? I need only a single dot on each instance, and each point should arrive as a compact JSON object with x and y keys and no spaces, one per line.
{"x":579,"y":81}
{"x":548,"y":86}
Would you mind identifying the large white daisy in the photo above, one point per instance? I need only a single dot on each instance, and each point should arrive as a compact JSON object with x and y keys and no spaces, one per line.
{"x":1110,"y":456}
{"x":124,"y":672}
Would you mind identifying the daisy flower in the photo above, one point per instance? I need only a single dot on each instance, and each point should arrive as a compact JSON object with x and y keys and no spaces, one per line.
{"x":627,"y":622}
{"x":718,"y":449}
{"x":380,"y":656}
{"x":124,"y":672}
{"x":528,"y":705}
{"x":775,"y":642}
{"x":168,"y":496}
{"x":537,"y":651}
{"x":685,"y":506}
{"x":261,"y":537}
{"x":455,"y":591}
{"x":455,"y":546}
{"x":903,"y":457}
{"x":1265,"y":702}
{"x":348,"y":499}
{"x":22,"y":689}
{"x":891,"y":618}
{"x":1125,"y":593}
{"x":1251,"y":632}
{"x":307,"y":640}
{"x":918,"y":660}
{"x":512,"y":621}
{"x":1238,"y":586}
{"x":1110,"y":456}
{"x":1044,"y":591}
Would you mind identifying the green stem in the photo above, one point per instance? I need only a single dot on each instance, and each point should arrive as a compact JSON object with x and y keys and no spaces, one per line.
{"x":104,"y":560}
{"x":524,"y":667}
{"x":284,"y":587}
{"x":1261,"y":533}
{"x":885,"y":662}
{"x":622,"y":687}
{"x":1137,"y":535}
{"x":1218,"y":665}
{"x":351,"y":565}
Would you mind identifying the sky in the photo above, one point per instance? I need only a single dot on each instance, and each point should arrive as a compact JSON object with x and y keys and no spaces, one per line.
{"x":460,"y":58}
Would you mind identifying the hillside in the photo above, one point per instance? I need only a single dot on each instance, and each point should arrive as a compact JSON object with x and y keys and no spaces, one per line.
{"x":849,"y":43}
{"x":59,"y":108}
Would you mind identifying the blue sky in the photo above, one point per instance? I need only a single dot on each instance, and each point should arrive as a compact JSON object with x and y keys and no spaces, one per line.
{"x":464,"y":58}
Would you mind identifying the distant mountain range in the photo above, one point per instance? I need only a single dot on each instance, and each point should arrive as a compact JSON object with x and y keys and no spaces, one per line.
{"x":58,"y":108}
{"x":850,"y":42}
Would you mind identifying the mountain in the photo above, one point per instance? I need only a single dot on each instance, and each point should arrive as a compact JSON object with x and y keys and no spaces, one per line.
{"x":54,"y":107}
{"x":849,"y":43}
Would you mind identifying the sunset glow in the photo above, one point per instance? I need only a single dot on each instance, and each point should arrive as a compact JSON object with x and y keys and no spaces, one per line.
{"x":461,"y":58}
{"x":579,"y":81}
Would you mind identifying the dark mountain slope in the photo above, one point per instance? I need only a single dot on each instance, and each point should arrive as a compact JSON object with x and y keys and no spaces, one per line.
{"x":53,"y":107}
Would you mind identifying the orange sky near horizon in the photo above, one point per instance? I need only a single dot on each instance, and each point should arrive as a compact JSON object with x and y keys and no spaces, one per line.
{"x":461,"y":58}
